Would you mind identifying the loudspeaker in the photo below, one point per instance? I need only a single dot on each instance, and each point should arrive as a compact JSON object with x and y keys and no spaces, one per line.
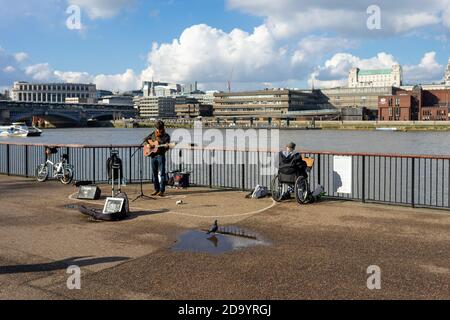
{"x":89,"y":193}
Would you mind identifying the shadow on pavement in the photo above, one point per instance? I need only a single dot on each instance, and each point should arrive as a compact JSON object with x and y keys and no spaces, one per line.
{"x":133,"y":215}
{"x":59,"y":265}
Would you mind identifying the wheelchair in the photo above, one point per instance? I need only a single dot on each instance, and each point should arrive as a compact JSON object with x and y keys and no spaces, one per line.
{"x":283,"y":185}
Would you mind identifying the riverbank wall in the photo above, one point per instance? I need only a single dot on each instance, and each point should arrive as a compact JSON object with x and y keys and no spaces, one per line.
{"x":305,"y":125}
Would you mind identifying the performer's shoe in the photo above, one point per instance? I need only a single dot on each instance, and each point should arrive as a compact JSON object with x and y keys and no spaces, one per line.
{"x":161,"y":194}
{"x":155,"y":193}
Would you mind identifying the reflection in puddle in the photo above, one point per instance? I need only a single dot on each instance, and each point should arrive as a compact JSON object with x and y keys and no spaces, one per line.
{"x":199,"y":241}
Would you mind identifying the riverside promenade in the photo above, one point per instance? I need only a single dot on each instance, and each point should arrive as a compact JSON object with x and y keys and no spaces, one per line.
{"x":319,"y":251}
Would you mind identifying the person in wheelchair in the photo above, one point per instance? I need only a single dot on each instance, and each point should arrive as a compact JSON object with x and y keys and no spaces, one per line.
{"x":291,"y":168}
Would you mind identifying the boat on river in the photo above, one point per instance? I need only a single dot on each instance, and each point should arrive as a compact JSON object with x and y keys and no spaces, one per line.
{"x":19,"y":129}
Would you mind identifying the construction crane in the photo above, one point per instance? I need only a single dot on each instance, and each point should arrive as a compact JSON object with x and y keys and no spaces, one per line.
{"x":230,"y":80}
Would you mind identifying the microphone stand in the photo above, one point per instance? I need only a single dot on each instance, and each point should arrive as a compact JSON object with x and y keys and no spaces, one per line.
{"x":140,"y":164}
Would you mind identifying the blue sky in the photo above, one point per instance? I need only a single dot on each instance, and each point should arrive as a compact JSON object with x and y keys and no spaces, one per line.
{"x":274,"y":43}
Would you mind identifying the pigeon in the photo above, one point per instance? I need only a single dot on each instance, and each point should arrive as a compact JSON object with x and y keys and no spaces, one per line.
{"x":213,"y":228}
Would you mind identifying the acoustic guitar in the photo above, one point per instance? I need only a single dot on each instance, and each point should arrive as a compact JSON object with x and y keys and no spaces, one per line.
{"x":153,"y":146}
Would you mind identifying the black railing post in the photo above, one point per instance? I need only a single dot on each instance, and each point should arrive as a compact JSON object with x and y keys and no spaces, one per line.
{"x":130,"y":165}
{"x":210,"y":175}
{"x":363,"y":195}
{"x":413,"y":182}
{"x":26,"y":161}
{"x":93,"y":165}
{"x":7,"y":160}
{"x":210,"y":168}
{"x":180,"y":163}
{"x":243,"y":176}
{"x":319,"y":173}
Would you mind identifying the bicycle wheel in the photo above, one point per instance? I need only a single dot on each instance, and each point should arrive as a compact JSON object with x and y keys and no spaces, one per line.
{"x":42,"y":173}
{"x":67,"y":176}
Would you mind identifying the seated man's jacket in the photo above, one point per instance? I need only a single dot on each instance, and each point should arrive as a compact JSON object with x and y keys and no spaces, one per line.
{"x":292,"y":164}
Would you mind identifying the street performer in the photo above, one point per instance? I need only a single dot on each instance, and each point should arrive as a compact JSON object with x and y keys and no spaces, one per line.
{"x":158,"y":158}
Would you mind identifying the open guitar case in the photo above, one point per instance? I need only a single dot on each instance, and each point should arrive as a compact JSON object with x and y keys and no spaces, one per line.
{"x":98,"y":215}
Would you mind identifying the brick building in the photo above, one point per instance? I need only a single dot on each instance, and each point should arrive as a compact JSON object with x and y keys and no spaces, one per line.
{"x":415,"y":104}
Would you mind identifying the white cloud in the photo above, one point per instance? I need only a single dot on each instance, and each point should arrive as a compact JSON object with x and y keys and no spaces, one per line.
{"x":446,"y":16}
{"x":9,"y":69}
{"x":313,"y":48}
{"x":210,"y":55}
{"x":207,"y":54}
{"x":21,"y":56}
{"x":427,"y":70}
{"x":118,"y":82}
{"x":289,"y":17}
{"x":338,"y":67}
{"x":414,"y":21}
{"x":74,"y":77}
{"x":335,"y":70}
{"x":102,"y":9}
{"x":39,"y":72}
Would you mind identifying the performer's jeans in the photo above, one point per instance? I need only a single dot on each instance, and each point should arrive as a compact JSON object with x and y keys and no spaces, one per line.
{"x":159,"y":173}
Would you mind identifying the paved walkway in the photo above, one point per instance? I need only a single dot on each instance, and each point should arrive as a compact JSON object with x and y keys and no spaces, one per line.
{"x":316,"y":251}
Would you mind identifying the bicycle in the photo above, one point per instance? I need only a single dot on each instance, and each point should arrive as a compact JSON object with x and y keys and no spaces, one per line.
{"x":62,"y":170}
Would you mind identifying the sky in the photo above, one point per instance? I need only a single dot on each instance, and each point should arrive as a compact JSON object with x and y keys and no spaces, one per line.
{"x":117,"y":44}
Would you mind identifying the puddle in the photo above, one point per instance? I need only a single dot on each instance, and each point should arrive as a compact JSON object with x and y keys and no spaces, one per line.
{"x":229,"y":240}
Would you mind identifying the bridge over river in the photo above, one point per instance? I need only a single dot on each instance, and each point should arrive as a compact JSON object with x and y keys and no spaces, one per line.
{"x":62,"y":114}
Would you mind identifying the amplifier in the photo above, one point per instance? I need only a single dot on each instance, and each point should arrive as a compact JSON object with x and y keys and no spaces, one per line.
{"x":89,"y":193}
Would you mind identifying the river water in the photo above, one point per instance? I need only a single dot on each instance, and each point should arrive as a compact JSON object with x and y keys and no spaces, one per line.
{"x":418,"y":143}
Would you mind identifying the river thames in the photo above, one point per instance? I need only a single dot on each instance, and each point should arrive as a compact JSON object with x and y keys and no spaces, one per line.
{"x":418,"y":143}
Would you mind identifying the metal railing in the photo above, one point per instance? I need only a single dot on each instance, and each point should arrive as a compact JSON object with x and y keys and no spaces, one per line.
{"x":410,"y":180}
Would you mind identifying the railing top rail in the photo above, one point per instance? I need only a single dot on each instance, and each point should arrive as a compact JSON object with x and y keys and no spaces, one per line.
{"x":188,"y":147}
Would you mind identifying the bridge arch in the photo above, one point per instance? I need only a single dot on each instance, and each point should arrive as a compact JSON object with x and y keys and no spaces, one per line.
{"x":52,"y":117}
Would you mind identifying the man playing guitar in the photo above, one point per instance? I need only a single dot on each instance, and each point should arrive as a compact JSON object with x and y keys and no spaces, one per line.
{"x":158,"y":157}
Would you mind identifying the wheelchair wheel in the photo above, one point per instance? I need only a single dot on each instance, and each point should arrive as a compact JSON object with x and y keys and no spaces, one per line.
{"x":277,"y":189}
{"x":302,"y":193}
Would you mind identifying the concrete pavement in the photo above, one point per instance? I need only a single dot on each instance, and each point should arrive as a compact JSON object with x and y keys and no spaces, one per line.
{"x":314,"y":252}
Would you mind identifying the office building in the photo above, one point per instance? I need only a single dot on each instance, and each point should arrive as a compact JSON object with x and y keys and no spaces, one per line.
{"x":78,"y":100}
{"x":190,"y":88}
{"x":155,"y":107}
{"x":160,"y":89}
{"x":52,"y":92}
{"x":102,"y":93}
{"x":117,"y":100}
{"x":267,"y":103}
{"x":344,"y":98}
{"x":191,"y":107}
{"x":359,"y":78}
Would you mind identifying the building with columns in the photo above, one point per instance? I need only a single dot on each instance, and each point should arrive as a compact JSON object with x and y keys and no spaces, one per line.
{"x":359,"y":78}
{"x":53,"y":92}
